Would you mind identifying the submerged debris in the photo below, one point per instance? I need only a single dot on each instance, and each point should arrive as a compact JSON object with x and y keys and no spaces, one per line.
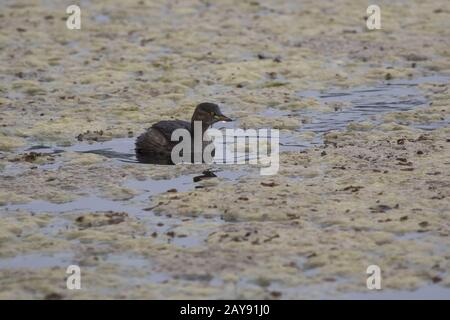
{"x":96,"y":136}
{"x":207,"y":174}
{"x":93,"y":220}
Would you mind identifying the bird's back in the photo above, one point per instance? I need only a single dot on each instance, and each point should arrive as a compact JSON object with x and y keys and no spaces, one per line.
{"x":167,"y":127}
{"x":157,"y":139}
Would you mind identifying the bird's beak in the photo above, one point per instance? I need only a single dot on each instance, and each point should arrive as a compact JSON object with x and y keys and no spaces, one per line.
{"x":221,"y":117}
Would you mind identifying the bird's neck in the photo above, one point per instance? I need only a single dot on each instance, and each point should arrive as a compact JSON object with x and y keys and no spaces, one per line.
{"x":204,"y":125}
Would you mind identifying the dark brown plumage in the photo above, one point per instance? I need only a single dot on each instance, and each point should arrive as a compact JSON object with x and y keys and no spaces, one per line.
{"x":156,"y":141}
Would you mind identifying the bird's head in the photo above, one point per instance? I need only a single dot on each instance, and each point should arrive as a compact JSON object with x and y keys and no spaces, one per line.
{"x":209,"y":113}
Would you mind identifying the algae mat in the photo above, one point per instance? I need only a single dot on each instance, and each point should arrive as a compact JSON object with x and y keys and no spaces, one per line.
{"x":364,"y":175}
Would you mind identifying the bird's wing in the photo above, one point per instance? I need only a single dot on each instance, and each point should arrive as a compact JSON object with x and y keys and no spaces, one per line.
{"x":167,"y":127}
{"x":152,"y":141}
{"x":157,"y":139}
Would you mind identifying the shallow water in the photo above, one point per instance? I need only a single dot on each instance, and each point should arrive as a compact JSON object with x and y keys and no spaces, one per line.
{"x":430,"y":292}
{"x":364,"y":104}
{"x":36,"y":260}
{"x":368,"y":104}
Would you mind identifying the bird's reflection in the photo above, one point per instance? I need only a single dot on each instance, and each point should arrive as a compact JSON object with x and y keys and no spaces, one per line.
{"x":154,"y":158}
